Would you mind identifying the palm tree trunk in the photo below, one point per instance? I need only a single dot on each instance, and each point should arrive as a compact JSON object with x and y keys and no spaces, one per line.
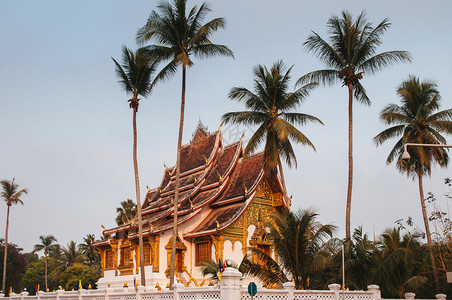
{"x":6,"y":250}
{"x":45,"y":263}
{"x":350,"y":161}
{"x":176,"y":196}
{"x":427,"y":229}
{"x":137,"y":190}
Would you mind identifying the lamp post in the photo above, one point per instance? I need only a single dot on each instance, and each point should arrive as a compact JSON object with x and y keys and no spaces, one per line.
{"x":406,"y":155}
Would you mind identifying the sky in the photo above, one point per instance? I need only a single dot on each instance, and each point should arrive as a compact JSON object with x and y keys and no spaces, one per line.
{"x":66,"y":127}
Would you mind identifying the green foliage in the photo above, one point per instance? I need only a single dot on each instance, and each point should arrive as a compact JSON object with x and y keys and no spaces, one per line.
{"x":35,"y":275}
{"x":71,"y":254}
{"x":126,"y":212}
{"x":303,"y":246}
{"x":180,"y":35}
{"x":89,"y":251}
{"x":76,"y":272}
{"x":400,"y":264}
{"x":16,"y":265}
{"x":416,"y":120}
{"x":269,"y":108}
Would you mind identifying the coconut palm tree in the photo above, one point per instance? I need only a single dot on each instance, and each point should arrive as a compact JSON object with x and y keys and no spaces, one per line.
{"x":417,"y":120}
{"x":134,"y":76}
{"x":269,"y":108}
{"x":126,"y":212}
{"x":86,"y":247}
{"x":71,"y":254}
{"x":180,"y":36}
{"x":300,"y":243}
{"x":360,"y":259}
{"x":11,"y":194}
{"x":47,"y":242}
{"x":400,"y":263}
{"x":350,"y":55}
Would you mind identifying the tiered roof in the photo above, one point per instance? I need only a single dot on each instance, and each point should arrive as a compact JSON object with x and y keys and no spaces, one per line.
{"x":213,"y":177}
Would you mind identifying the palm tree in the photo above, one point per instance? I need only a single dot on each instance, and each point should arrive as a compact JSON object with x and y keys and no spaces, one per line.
{"x":401,"y":259}
{"x":179,"y":36}
{"x":269,"y":108}
{"x":71,"y":254}
{"x":11,"y":194}
{"x":351,"y":53}
{"x":360,"y":259}
{"x":417,"y":120}
{"x":46,"y":243}
{"x":86,"y":247}
{"x":135,"y":78}
{"x":126,"y":212}
{"x":301,"y":246}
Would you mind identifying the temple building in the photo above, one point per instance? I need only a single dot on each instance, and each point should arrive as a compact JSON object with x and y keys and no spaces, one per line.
{"x":225,"y":202}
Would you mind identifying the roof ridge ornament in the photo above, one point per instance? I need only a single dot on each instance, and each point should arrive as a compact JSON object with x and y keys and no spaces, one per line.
{"x":167,"y":170}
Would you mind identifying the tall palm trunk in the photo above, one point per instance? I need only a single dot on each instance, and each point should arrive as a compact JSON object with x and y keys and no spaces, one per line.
{"x":45,"y":264}
{"x":350,"y":161}
{"x":427,"y":229}
{"x":6,"y":249}
{"x":176,"y":195}
{"x":137,"y":189}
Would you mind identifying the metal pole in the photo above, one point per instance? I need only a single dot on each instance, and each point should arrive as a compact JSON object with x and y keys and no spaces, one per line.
{"x":343,"y":268}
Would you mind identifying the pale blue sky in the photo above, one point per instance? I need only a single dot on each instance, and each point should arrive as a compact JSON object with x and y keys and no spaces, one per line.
{"x":67,"y":128}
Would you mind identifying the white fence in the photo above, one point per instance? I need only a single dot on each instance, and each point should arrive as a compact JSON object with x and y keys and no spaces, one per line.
{"x":229,"y":289}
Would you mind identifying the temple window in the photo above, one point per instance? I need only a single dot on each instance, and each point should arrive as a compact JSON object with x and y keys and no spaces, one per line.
{"x":126,"y":257}
{"x":203,"y":252}
{"x":147,"y":254}
{"x":109,"y":259}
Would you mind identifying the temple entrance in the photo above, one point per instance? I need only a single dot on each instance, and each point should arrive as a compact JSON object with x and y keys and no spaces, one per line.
{"x":179,"y":261}
{"x":180,"y":255}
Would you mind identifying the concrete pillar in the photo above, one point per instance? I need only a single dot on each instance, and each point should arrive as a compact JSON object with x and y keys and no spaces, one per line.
{"x":230,"y":284}
{"x":410,"y":296}
{"x":289,"y":287}
{"x":336,"y":288}
{"x":375,"y":289}
{"x":177,"y":289}
{"x":139,"y":290}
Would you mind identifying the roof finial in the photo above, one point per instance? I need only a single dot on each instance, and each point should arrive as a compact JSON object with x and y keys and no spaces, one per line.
{"x":167,"y":170}
{"x":221,"y":124}
{"x":191,"y":204}
{"x":103,"y":227}
{"x":246,"y":190}
{"x":219,"y":175}
{"x":205,"y":158}
{"x":218,"y":224}
{"x":148,"y":188}
{"x":241,"y":138}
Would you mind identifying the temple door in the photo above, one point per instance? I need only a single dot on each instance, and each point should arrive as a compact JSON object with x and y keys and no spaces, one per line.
{"x":179,"y":261}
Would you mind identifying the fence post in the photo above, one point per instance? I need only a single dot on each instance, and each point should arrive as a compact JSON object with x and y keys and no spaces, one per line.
{"x":375,"y":289}
{"x":107,"y":292}
{"x":441,"y":296}
{"x":82,"y":292}
{"x":176,"y":288}
{"x":289,"y":287}
{"x":40,"y":294}
{"x":410,"y":296}
{"x":336,"y":288}
{"x":59,"y":293}
{"x":140,"y":289}
{"x":24,"y":294}
{"x":230,"y":284}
